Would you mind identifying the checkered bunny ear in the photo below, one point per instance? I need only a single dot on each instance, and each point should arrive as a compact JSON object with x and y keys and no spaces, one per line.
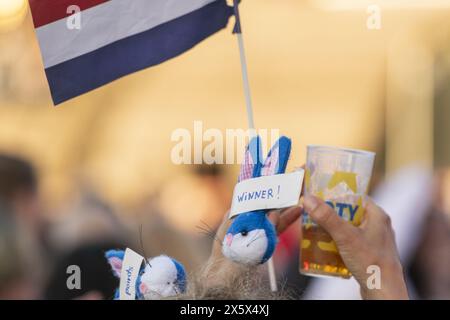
{"x":277,"y":158}
{"x":251,"y":166}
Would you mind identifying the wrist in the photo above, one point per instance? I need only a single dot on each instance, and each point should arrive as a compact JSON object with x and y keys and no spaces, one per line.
{"x":392,"y":284}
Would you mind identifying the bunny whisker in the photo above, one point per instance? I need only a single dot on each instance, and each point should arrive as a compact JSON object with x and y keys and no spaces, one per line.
{"x":207,"y":226}
{"x":208,"y":230}
{"x":142,"y":246}
{"x":251,"y":241}
{"x":209,"y":234}
{"x":256,"y":235}
{"x":205,"y":231}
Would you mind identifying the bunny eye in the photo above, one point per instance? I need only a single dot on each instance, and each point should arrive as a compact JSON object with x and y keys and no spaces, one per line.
{"x":244,"y":233}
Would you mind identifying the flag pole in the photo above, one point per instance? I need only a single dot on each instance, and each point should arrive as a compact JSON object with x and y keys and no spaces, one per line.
{"x":251,"y":123}
{"x":240,"y":38}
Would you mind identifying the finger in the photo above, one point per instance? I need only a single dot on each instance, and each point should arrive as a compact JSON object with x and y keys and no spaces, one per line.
{"x":288,"y":217}
{"x":216,"y":252}
{"x":375,"y":214}
{"x":226,"y":222}
{"x":303,"y":182}
{"x":376,"y":220}
{"x":285,"y":218}
{"x":365,"y":221}
{"x":321,"y":213}
{"x":226,"y":217}
{"x":274,"y":217}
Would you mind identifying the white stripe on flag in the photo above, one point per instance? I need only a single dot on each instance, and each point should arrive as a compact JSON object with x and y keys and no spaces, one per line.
{"x":106,"y":23}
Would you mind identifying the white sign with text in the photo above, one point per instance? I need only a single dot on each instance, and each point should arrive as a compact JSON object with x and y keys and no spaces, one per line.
{"x":131,"y":265}
{"x":268,"y":192}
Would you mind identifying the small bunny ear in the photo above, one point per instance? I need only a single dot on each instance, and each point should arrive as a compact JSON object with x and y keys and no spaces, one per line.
{"x":251,"y":167}
{"x":181,"y":275}
{"x":115,"y":260}
{"x":277,"y":158}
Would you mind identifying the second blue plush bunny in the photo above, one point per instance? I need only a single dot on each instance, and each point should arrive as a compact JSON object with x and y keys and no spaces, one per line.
{"x":161,"y":277}
{"x":252,"y":238}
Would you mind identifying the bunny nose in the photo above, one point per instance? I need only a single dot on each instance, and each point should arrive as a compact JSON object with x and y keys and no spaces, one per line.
{"x":228,"y":239}
{"x":143,"y":288}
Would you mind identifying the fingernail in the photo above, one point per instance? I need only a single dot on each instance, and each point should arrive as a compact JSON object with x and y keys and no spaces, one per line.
{"x":311,"y":203}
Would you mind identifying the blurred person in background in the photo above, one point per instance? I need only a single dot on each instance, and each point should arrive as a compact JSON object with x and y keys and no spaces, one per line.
{"x":97,"y":282}
{"x":19,"y":193}
{"x":431,"y":263}
{"x":15,"y":272}
{"x":80,"y":237}
{"x":88,"y":218}
{"x":19,"y":190}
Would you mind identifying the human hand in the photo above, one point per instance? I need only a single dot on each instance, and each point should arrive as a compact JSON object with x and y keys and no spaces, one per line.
{"x":371,"y":243}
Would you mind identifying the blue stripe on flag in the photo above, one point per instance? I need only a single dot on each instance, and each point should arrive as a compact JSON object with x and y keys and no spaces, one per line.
{"x":92,"y":70}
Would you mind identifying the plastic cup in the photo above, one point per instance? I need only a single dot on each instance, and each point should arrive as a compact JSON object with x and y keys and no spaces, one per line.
{"x":341,"y":178}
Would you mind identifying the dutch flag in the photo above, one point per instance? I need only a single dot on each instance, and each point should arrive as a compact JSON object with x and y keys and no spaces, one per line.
{"x":117,"y":37}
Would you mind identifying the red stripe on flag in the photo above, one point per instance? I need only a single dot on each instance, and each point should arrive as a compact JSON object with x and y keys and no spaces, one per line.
{"x":48,"y":11}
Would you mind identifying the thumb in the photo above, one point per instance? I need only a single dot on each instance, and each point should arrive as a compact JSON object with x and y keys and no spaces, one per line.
{"x":321,"y":213}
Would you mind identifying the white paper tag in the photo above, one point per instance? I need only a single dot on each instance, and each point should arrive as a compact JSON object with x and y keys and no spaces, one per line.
{"x":268,"y":192}
{"x":128,"y":276}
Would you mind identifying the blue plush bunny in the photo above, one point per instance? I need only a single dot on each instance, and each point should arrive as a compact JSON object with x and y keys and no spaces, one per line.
{"x":161,"y":277}
{"x":251,"y":238}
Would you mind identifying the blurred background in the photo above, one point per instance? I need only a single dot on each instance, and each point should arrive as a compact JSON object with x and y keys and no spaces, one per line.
{"x":82,"y":177}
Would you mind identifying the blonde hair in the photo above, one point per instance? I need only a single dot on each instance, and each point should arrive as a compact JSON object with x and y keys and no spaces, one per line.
{"x":232,"y":282}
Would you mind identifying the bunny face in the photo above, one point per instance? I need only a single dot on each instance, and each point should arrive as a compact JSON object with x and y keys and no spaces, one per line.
{"x":161,"y":276}
{"x":250,"y":240}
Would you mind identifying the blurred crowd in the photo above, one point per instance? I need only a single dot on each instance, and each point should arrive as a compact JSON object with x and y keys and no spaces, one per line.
{"x":36,"y":251}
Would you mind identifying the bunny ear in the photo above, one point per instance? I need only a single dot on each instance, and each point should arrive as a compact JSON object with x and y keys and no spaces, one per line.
{"x":277,"y":158}
{"x":251,"y":167}
{"x":115,"y":260}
